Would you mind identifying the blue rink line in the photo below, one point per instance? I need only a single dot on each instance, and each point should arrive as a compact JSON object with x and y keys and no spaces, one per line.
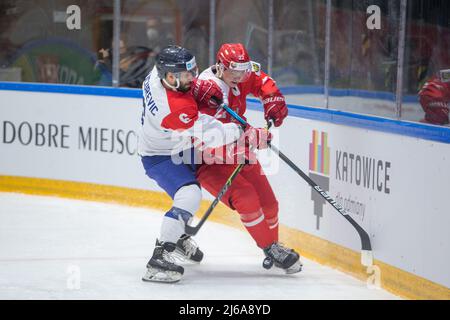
{"x":381,"y":95}
{"x":406,"y":128}
{"x":72,"y":89}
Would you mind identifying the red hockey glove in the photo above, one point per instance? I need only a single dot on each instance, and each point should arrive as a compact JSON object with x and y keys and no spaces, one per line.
{"x":256,"y":138}
{"x":436,"y":112}
{"x":207,"y":92}
{"x":436,"y":89}
{"x":242,"y":151}
{"x":434,"y":98}
{"x":275,"y":109}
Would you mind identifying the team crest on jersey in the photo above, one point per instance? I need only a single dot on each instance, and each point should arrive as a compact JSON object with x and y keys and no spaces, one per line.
{"x":184,"y":118}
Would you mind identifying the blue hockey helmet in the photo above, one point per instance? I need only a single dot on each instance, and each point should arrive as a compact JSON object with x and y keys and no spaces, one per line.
{"x":175,"y":59}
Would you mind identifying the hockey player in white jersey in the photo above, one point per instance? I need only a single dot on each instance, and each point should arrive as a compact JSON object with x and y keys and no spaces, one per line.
{"x":171,"y":124}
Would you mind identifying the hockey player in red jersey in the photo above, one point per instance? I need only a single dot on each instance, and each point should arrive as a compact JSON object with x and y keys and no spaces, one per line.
{"x":231,"y":80}
{"x":435,"y":98}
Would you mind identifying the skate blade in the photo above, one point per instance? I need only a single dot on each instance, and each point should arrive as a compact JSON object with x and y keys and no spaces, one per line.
{"x":296,"y":267}
{"x":155,"y":275}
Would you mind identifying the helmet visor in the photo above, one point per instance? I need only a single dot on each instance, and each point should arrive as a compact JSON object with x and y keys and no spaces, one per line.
{"x":189,"y":67}
{"x":187,"y":75}
{"x":240,"y":71}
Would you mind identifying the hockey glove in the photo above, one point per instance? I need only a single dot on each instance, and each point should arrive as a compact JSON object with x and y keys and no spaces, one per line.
{"x":256,"y":138}
{"x":207,"y":92}
{"x":275,"y":109}
{"x":242,"y":151}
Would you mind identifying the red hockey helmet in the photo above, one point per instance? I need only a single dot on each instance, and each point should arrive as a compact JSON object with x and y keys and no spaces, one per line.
{"x":234,"y":57}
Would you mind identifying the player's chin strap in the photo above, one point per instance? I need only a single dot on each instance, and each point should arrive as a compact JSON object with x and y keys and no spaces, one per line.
{"x":366,"y":250}
{"x":219,"y":70}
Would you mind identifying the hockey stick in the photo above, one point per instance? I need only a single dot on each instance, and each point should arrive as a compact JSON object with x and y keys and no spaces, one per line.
{"x":192,"y":230}
{"x":366,"y":247}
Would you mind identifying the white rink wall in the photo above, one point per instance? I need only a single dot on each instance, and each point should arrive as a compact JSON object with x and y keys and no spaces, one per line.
{"x":107,"y":156}
{"x":404,"y":207}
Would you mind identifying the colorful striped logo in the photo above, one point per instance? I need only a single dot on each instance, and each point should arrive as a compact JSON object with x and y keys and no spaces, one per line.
{"x":319,"y":154}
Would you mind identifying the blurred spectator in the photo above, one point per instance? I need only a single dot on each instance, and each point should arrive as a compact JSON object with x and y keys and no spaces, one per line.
{"x":135,"y":63}
{"x":435,"y":97}
{"x":153,"y":34}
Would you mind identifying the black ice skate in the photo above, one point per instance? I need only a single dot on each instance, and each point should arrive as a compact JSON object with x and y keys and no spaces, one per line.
{"x":282,"y":257}
{"x":187,"y":249}
{"x":161,"y":266}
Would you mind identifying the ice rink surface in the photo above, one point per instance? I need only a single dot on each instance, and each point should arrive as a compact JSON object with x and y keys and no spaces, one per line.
{"x":55,"y":248}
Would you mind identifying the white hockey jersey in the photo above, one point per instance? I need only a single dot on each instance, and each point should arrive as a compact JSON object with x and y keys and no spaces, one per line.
{"x":171,"y":122}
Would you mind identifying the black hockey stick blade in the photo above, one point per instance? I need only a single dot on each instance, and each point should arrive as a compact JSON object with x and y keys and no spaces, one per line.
{"x":366,"y":247}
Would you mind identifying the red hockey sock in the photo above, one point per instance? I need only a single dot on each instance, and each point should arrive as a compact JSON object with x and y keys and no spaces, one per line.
{"x":272,"y":223}
{"x":258,"y":228}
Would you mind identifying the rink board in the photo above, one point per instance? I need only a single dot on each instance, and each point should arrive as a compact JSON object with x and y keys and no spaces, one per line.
{"x":84,"y":143}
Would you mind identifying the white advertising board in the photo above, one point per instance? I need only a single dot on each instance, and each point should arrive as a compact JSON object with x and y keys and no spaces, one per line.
{"x":395,"y":187}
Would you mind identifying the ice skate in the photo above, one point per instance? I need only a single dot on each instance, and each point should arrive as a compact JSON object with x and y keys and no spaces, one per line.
{"x":282,"y":257}
{"x":161,"y":266}
{"x":187,"y":249}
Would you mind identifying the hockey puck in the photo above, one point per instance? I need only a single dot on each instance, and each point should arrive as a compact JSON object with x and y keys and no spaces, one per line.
{"x":267,"y":263}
